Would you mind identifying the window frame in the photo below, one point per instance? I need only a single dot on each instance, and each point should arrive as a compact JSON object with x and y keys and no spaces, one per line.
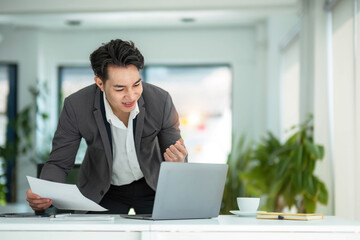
{"x":11,"y":113}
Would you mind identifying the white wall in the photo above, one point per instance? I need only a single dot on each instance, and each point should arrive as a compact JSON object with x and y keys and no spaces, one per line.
{"x":20,"y":46}
{"x":345,"y":108}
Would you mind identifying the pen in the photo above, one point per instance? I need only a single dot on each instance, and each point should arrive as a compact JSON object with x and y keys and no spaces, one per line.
{"x":60,"y":215}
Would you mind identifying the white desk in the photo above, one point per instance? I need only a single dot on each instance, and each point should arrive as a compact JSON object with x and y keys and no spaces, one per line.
{"x":223,"y":227}
{"x":232,"y":227}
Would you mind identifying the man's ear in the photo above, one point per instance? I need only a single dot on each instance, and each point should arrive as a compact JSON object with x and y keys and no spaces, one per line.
{"x":100,"y":83}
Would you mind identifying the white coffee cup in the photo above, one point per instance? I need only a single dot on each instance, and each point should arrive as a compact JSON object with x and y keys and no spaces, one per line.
{"x":248,"y":204}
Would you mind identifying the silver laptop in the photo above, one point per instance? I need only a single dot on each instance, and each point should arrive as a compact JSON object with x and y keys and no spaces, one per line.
{"x":187,"y":191}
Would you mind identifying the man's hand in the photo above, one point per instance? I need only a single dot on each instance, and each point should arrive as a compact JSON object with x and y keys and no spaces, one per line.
{"x":36,"y":202}
{"x":176,"y":152}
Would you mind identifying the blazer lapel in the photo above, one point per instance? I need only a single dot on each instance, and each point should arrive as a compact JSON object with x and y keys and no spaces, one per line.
{"x":139,"y":125}
{"x":102,"y":128}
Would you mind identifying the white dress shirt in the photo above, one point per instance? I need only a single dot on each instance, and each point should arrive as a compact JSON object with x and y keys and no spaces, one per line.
{"x":126,"y":168}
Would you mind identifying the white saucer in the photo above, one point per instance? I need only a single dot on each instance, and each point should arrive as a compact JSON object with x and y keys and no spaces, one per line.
{"x":245,"y":214}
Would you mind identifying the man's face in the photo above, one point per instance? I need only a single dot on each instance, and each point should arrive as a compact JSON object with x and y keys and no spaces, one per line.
{"x":123,"y":88}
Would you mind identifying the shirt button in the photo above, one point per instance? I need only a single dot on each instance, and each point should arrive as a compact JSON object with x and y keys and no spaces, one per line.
{"x":101,"y":192}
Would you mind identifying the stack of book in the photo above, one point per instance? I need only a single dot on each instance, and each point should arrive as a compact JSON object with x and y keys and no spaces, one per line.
{"x":290,"y":216}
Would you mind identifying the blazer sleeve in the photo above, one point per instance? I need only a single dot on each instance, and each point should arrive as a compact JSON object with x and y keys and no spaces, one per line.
{"x":170,"y":131}
{"x":64,"y":146}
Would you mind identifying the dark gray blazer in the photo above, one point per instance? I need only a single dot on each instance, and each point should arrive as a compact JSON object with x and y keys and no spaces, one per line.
{"x":83,"y":116}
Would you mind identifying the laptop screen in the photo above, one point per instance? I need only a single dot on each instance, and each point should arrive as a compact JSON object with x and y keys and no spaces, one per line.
{"x":189,"y":190}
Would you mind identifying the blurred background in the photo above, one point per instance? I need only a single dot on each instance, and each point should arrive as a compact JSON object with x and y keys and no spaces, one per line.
{"x":234,"y":68}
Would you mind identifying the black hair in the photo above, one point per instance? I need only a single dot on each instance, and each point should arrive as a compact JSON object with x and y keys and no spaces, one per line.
{"x":116,"y":52}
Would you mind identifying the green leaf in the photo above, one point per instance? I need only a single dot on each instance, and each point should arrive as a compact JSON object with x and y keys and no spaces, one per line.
{"x":292,"y":139}
{"x":275,"y":143}
{"x":296,"y":179}
{"x":44,"y":116}
{"x":270,"y":204}
{"x":323,"y":194}
{"x":253,"y":191}
{"x":289,"y":194}
{"x":256,"y":173}
{"x":313,"y":149}
{"x":322,"y":151}
{"x":298,"y":157}
{"x":283,"y":166}
{"x":310,"y":186}
{"x":311,"y":166}
{"x":275,"y":188}
{"x":310,"y":205}
{"x":305,"y":162}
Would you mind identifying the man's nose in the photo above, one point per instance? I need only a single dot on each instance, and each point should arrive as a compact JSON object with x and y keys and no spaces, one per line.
{"x":130,"y":93}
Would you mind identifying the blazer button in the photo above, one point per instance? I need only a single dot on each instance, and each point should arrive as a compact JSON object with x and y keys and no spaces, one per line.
{"x":101,"y":192}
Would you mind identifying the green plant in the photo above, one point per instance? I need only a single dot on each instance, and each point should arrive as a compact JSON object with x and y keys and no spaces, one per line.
{"x":23,"y":126}
{"x":283,"y":174}
{"x":238,"y":159}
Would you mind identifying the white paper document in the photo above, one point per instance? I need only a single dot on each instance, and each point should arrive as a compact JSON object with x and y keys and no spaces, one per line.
{"x":64,"y":196}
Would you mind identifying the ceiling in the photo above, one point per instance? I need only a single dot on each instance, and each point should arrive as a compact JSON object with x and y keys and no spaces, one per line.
{"x":91,"y":14}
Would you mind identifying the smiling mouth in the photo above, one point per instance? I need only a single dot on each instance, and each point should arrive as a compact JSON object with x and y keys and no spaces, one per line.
{"x":128,"y":104}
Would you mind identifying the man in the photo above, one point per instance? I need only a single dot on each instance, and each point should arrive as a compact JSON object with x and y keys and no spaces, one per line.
{"x":130,"y":127}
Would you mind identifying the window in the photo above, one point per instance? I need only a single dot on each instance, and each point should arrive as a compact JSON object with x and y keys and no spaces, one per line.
{"x":201,"y":95}
{"x":4,"y":92}
{"x":73,"y":79}
{"x":8,"y":102}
